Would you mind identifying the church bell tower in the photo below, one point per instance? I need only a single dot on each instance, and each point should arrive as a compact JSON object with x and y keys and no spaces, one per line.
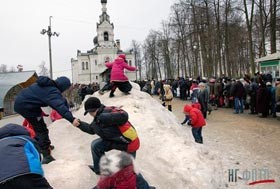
{"x":105,"y":29}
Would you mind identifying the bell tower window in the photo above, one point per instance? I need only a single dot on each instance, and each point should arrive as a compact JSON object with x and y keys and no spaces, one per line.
{"x":106,"y":36}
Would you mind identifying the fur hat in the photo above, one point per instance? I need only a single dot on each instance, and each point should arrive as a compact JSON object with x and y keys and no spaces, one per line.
{"x":92,"y":104}
{"x":111,"y":163}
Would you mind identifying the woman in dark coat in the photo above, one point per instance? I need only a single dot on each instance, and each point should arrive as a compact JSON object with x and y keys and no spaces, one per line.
{"x":263,"y":99}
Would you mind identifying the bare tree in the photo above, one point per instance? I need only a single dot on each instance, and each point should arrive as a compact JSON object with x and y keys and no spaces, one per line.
{"x":12,"y":69}
{"x":3,"y":68}
{"x":273,"y":5}
{"x":249,"y":14}
{"x":43,"y":69}
{"x":137,"y":57}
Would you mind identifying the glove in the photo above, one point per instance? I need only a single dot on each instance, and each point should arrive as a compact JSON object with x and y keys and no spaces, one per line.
{"x":190,"y":122}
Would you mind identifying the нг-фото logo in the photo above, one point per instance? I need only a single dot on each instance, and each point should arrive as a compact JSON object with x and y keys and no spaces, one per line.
{"x":253,"y":176}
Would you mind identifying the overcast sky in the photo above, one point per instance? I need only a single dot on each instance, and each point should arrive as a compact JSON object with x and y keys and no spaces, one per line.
{"x":22,"y":20}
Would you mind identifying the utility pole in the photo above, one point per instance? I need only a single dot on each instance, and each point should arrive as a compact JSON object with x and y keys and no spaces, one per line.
{"x":135,"y":60}
{"x":50,"y":34}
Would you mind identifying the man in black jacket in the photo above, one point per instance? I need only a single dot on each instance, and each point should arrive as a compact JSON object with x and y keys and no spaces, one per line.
{"x":45,"y":92}
{"x":112,"y":126}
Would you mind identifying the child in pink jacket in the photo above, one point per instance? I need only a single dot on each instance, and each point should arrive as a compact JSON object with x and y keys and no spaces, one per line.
{"x":118,"y":78}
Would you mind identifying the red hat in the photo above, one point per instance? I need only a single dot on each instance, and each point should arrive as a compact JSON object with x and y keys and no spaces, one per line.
{"x":122,"y":56}
{"x":187,"y":108}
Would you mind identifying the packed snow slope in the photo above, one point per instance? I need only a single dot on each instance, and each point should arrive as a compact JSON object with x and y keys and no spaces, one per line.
{"x":168,"y":158}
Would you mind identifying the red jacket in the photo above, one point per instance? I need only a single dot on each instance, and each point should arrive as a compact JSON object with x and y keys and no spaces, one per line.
{"x":55,"y":115}
{"x":123,"y":179}
{"x":118,"y":66}
{"x":197,"y":119}
{"x":29,"y":127}
{"x":196,"y":105}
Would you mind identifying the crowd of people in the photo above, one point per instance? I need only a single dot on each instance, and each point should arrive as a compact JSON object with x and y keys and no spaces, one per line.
{"x":260,"y":94}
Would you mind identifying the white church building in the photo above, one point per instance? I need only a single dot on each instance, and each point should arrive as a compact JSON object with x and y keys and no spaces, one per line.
{"x":88,"y":66}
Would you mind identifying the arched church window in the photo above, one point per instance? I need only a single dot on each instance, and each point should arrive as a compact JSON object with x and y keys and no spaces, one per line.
{"x":86,"y":65}
{"x":106,"y":36}
{"x":95,"y":62}
{"x":83,"y":66}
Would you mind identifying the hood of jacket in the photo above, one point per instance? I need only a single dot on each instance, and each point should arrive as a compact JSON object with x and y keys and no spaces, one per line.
{"x":119,"y":61}
{"x":44,"y":81}
{"x":12,"y":129}
{"x":63,"y":83}
{"x":187,"y":108}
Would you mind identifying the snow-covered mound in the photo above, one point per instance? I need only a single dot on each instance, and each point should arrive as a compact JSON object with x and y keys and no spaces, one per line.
{"x":168,"y":158}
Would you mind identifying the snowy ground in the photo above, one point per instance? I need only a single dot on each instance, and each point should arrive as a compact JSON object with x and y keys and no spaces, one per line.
{"x":168,"y":158}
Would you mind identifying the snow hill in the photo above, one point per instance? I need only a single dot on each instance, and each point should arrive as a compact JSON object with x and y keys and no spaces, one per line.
{"x":168,"y":158}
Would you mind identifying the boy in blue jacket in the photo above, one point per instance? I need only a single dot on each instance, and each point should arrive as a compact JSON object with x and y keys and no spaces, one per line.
{"x":45,"y":92}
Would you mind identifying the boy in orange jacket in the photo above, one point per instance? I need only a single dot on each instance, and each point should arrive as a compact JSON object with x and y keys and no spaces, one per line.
{"x":197,"y":121}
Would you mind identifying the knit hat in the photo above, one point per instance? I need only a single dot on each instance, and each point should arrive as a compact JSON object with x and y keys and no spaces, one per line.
{"x":63,"y":83}
{"x":92,"y":104}
{"x":187,"y":108}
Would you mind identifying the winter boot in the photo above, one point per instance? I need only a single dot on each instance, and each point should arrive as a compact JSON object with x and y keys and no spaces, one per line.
{"x":170,"y":108}
{"x":52,"y":147}
{"x":47,"y":157}
{"x":92,"y":168}
{"x":111,"y":95}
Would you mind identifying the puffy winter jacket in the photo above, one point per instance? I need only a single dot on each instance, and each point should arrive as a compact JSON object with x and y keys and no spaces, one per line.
{"x":197,"y":119}
{"x":45,"y":92}
{"x":18,"y":153}
{"x":111,"y":124}
{"x":117,"y":72}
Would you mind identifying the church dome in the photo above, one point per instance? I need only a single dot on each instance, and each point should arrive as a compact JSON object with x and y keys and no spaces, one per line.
{"x":103,"y":1}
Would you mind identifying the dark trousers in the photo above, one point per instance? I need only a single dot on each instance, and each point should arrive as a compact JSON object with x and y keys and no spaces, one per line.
{"x":98,"y":149}
{"x":253,"y":103}
{"x":100,"y":146}
{"x":197,"y":134}
{"x":42,"y":132}
{"x":31,"y":181}
{"x":124,"y":87}
{"x":107,"y":86}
